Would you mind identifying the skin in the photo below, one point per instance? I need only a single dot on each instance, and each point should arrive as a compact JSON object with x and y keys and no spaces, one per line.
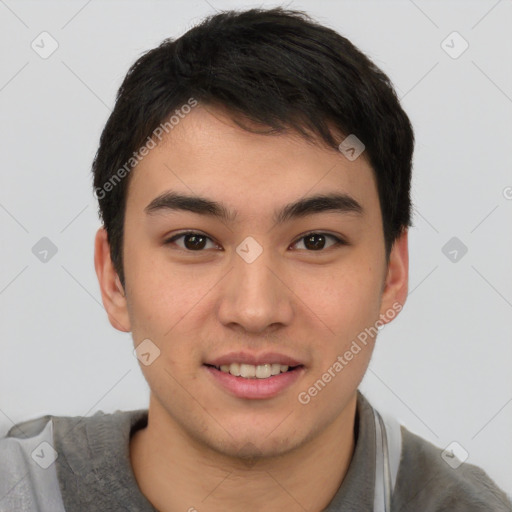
{"x":205,"y":449}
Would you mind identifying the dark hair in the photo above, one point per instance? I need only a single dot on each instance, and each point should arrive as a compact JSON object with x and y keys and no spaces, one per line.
{"x":275,"y":67}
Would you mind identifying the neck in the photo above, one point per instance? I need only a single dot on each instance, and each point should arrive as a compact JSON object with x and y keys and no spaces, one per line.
{"x":176,"y":473}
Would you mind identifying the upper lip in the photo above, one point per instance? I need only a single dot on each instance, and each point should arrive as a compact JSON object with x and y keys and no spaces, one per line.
{"x":254,"y":359}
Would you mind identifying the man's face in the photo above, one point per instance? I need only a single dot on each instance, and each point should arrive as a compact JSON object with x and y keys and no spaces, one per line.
{"x":252,"y":289}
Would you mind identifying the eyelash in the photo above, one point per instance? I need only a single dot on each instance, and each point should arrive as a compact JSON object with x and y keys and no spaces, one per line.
{"x":337,"y":240}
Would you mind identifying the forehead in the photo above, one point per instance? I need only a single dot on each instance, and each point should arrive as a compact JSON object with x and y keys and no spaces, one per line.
{"x":207,"y":154}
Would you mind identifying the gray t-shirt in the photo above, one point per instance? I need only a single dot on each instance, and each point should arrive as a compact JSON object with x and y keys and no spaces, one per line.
{"x":94,"y":473}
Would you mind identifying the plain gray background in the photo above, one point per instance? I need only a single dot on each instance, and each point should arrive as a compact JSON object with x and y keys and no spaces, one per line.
{"x":443,"y":367}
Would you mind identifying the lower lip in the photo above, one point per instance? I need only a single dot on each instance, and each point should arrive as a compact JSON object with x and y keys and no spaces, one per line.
{"x":255,"y":388}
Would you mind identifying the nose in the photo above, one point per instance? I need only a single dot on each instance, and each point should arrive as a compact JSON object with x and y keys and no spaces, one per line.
{"x":256,"y":295}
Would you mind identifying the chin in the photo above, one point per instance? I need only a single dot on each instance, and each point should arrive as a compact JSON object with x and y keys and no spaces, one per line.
{"x":249,"y":452}
{"x":251,"y":444}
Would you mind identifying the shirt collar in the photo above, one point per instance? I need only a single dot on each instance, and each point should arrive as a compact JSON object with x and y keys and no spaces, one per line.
{"x":94,"y":466}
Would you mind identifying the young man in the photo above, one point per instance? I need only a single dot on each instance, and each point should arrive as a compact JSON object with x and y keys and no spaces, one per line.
{"x":253,"y":182}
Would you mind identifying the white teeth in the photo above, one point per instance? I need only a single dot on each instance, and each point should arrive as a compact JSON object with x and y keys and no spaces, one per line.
{"x":250,"y":371}
{"x":234,"y":369}
{"x":263,"y":371}
{"x":276,"y":369}
{"x":247,"y":370}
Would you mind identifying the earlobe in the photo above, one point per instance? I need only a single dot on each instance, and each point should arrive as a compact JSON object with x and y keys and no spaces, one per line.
{"x":112,"y":291}
{"x":397,"y":279}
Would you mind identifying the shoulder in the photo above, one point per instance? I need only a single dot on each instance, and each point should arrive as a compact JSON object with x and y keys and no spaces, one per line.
{"x":35,"y":454}
{"x":426,"y":482}
{"x":26,"y":457}
{"x":35,"y":427}
{"x":21,"y":441}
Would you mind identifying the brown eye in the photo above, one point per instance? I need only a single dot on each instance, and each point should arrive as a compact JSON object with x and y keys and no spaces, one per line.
{"x":317,"y":241}
{"x":192,"y":241}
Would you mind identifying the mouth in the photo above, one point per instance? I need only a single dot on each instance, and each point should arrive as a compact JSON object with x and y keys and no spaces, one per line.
{"x":250,"y":371}
{"x":248,"y":376}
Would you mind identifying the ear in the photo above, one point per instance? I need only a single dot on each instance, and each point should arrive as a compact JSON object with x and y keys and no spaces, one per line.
{"x":395,"y":288}
{"x":112,"y":292}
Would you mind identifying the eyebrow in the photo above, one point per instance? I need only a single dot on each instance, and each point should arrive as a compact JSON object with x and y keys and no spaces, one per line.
{"x":334,"y":202}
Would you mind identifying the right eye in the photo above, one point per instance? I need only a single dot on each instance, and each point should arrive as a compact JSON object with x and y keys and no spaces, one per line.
{"x":194,"y":241}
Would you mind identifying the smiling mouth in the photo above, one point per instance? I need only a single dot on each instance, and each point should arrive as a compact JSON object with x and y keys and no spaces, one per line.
{"x":249,"y":371}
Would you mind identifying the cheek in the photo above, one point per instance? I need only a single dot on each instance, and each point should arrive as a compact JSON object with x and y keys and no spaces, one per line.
{"x":348,"y":305}
{"x":164,"y":302}
{"x":160,"y":294}
{"x":346,"y":298}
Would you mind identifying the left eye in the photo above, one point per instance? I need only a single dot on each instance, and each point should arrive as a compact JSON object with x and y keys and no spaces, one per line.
{"x":317,"y":240}
{"x":195,"y":241}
